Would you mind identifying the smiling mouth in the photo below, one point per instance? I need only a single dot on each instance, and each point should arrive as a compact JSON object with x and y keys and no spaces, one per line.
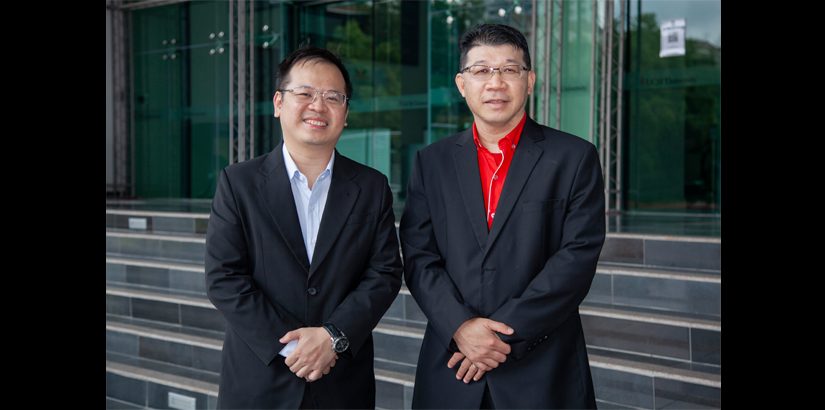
{"x":316,"y":123}
{"x":495,"y":102}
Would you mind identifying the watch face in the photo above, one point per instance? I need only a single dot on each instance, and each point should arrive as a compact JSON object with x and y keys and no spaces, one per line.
{"x":341,"y":345}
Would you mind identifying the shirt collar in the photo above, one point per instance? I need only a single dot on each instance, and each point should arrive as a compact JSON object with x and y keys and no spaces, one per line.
{"x":292,"y":169}
{"x":511,"y":138}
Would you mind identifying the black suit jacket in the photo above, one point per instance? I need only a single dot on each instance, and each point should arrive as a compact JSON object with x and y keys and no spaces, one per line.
{"x":531,"y":270}
{"x":258,"y":276}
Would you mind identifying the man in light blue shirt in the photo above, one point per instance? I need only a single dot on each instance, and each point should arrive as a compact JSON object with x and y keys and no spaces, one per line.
{"x":302,"y":254}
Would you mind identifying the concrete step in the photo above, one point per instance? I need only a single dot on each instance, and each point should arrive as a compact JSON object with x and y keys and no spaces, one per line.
{"x":157,"y":275}
{"x":179,"y":247}
{"x":181,"y":311}
{"x":688,"y":338}
{"x":675,"y":290}
{"x":663,"y":251}
{"x":133,"y":386}
{"x":150,"y":221}
{"x":620,"y":378}
{"x":199,"y":354}
{"x":689,"y":252}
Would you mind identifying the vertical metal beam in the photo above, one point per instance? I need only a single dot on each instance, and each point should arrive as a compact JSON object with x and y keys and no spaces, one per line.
{"x":610,"y":123}
{"x":559,"y":47}
{"x":122,"y":112}
{"x":619,"y":100}
{"x":547,"y":61}
{"x":241,"y":80}
{"x":608,"y":164}
{"x":232,"y":96}
{"x":533,"y":63}
{"x":593,"y":71}
{"x":251,"y":134}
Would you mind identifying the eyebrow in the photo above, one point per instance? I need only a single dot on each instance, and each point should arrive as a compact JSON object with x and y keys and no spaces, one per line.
{"x":509,"y":60}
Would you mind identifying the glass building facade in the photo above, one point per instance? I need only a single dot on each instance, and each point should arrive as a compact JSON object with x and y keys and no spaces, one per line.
{"x":652,"y":68}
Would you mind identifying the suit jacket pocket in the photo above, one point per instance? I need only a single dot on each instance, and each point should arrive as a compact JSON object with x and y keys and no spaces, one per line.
{"x":544,"y":206}
{"x":360,"y":218}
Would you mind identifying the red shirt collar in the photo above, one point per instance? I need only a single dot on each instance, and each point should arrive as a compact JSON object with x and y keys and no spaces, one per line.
{"x":511,"y":139}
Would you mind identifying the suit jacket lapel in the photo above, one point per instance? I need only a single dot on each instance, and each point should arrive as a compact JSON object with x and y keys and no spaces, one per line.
{"x":524,"y":160}
{"x":469,"y":183}
{"x":276,"y":191}
{"x":343,"y":193}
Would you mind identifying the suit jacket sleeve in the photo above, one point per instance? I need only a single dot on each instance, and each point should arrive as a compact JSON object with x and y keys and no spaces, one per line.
{"x":424,"y":268}
{"x":556,"y":292}
{"x":229,"y":283}
{"x":363,"y":308}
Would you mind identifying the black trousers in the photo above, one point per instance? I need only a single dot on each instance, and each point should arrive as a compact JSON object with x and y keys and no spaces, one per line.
{"x":307,"y":402}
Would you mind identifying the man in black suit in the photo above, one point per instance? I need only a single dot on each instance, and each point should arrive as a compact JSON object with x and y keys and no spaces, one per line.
{"x":301,"y":255}
{"x":501,"y":232}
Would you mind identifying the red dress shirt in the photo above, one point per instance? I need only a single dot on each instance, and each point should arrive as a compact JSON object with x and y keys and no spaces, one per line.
{"x":493,"y":167}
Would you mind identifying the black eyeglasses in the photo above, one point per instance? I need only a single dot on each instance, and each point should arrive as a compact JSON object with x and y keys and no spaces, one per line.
{"x":306,"y":95}
{"x":484,"y":72}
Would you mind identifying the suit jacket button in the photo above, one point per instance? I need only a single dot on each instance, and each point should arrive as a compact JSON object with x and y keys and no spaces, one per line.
{"x":312,"y":291}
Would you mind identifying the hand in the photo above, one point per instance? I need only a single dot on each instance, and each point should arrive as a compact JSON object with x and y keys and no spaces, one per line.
{"x":466,"y":370}
{"x":313,"y":357}
{"x":326,"y":370}
{"x":478,"y":341}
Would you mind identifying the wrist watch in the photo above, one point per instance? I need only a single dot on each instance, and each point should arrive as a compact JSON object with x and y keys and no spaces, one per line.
{"x":340,"y":343}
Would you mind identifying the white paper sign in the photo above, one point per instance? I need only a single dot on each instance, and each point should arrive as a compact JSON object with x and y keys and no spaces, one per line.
{"x":137,"y":223}
{"x":673,"y":38}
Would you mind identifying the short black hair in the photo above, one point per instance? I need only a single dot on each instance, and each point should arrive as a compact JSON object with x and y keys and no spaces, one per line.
{"x":311,"y":54}
{"x":491,"y":35}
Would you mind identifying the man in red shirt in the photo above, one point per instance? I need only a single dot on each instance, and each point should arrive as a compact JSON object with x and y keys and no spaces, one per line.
{"x":501,"y":234}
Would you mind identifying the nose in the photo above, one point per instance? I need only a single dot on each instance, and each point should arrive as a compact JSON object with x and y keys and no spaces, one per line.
{"x":496,"y":82}
{"x":318,"y":104}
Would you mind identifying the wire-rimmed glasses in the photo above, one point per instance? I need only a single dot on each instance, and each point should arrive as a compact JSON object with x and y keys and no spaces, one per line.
{"x":484,"y":72}
{"x":306,"y":95}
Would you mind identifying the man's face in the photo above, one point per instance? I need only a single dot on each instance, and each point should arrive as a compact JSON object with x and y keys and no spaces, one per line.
{"x":496,"y":103}
{"x":316,"y":123}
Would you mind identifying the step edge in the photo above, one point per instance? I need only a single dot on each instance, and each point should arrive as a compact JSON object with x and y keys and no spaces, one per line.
{"x":652,"y":318}
{"x":161,"y":378}
{"x":158,"y":213}
{"x":390,"y":376}
{"x":690,"y":277}
{"x":652,"y":370}
{"x":156,"y":236}
{"x":156,"y":264}
{"x":168,"y":336}
{"x":140,"y":294}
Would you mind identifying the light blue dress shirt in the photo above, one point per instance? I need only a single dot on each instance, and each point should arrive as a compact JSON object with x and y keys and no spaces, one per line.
{"x":310,"y":205}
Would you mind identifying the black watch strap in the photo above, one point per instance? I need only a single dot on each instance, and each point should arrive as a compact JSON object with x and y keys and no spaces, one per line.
{"x":340,"y":343}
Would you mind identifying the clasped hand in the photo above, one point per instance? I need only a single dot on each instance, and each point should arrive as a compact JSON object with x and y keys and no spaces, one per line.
{"x":313,"y":357}
{"x":479,"y":345}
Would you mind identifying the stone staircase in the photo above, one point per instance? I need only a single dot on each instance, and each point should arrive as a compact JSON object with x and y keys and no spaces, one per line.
{"x":652,"y":321}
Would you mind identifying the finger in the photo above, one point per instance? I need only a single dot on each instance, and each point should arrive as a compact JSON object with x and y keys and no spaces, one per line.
{"x":470,"y":373}
{"x":455,"y":359}
{"x":290,"y":336}
{"x":478,"y":375}
{"x":483,"y":365}
{"x":462,"y":370}
{"x":326,"y":369}
{"x":315,"y":375}
{"x":332,"y":363}
{"x":499,"y":327}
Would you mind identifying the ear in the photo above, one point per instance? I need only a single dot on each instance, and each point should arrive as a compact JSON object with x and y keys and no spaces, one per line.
{"x":459,"y":82}
{"x":276,"y":101}
{"x":531,"y":81}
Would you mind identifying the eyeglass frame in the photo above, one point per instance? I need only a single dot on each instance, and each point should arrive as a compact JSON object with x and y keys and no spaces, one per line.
{"x":493,"y":70}
{"x":322,"y":96}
